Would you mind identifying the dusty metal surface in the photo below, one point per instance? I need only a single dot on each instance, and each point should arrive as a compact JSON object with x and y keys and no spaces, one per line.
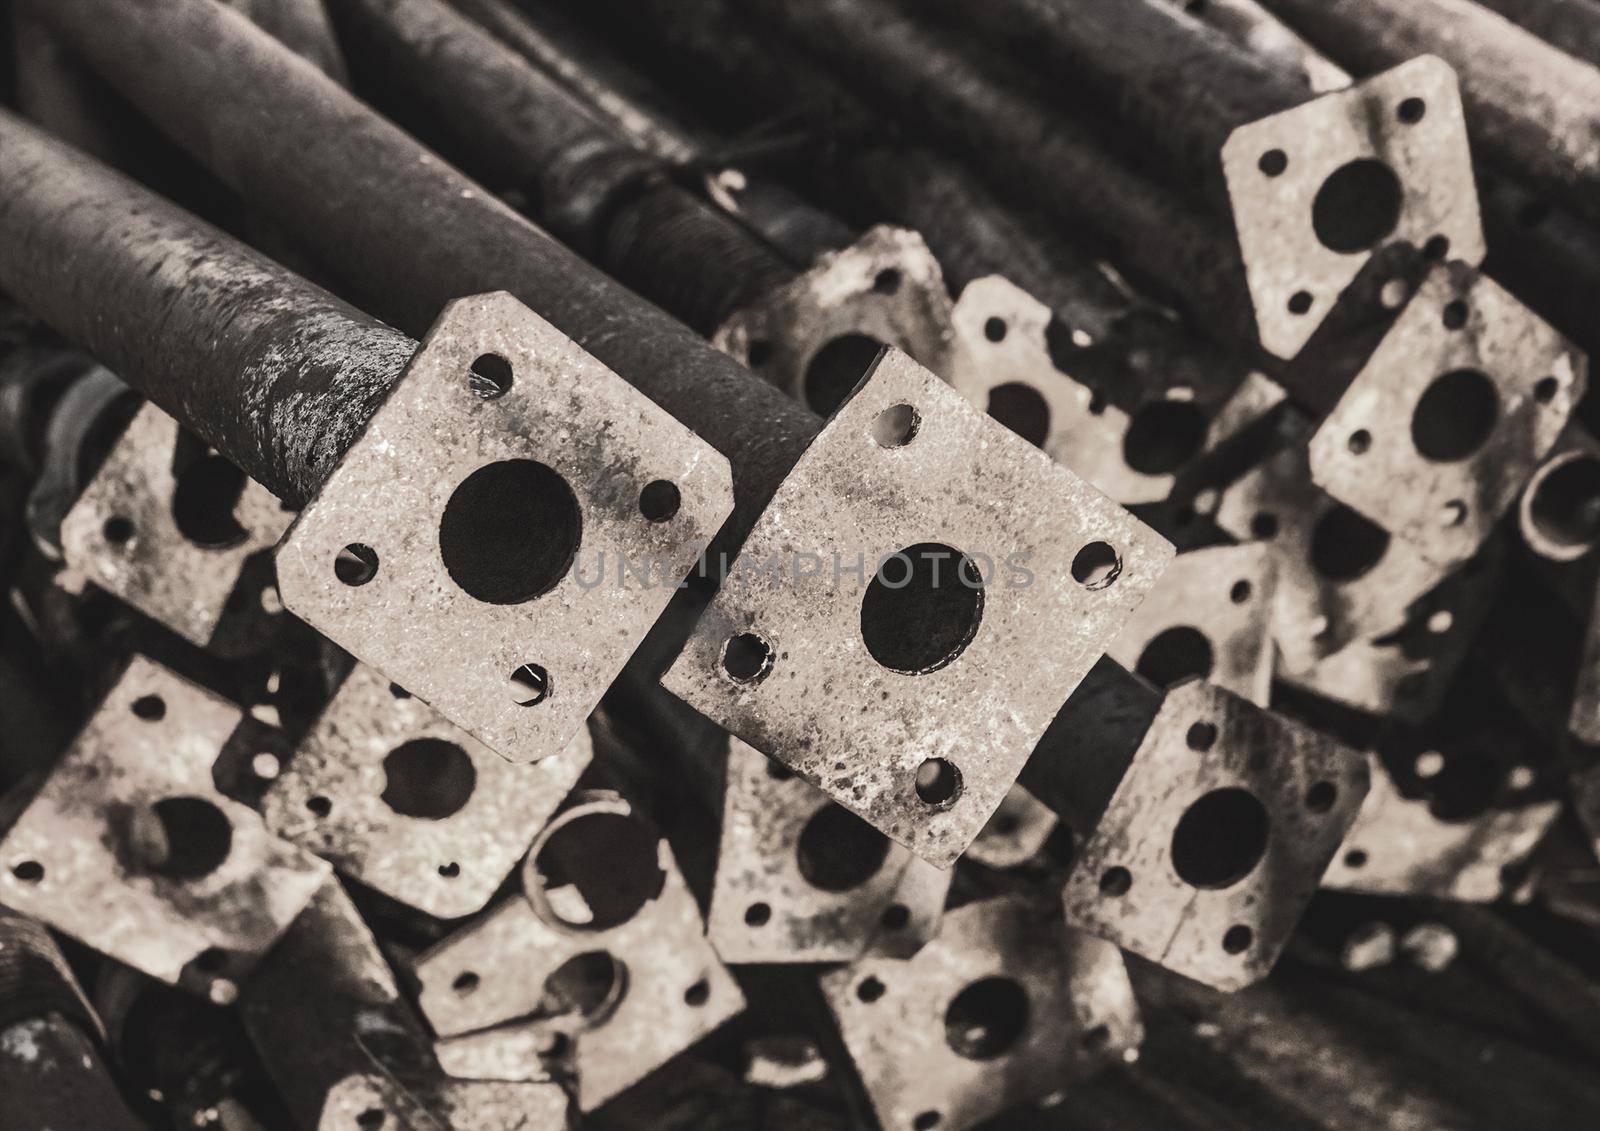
{"x":127,"y":534}
{"x":1436,"y":435}
{"x":1015,"y":833}
{"x":1215,"y":838}
{"x":1405,"y":672}
{"x":1001,"y":329}
{"x":129,"y":847}
{"x":1250,"y":25}
{"x":1004,"y":365}
{"x":1209,"y":617}
{"x":1397,"y":846}
{"x":885,"y":287}
{"x":522,"y":669}
{"x":801,"y":880}
{"x":1306,"y":229}
{"x":1004,"y":1006}
{"x":1341,"y":578}
{"x":390,"y":793}
{"x":861,"y":731}
{"x":516,"y":990}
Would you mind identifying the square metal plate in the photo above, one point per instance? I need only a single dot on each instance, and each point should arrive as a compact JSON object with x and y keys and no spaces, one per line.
{"x":886,"y":286}
{"x":906,"y":462}
{"x":1450,"y":416}
{"x":1175,"y":870}
{"x":1294,"y":173}
{"x":80,"y":856}
{"x":1078,"y":1012}
{"x":776,"y":900}
{"x":483,"y":987}
{"x":122,"y":534}
{"x":1210,"y":616}
{"x":443,"y":497}
{"x":373,"y":743}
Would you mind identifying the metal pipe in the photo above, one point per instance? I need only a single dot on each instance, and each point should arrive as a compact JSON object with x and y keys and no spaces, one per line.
{"x":1180,"y":85}
{"x":925,"y":78}
{"x":601,"y":194}
{"x":273,"y":372}
{"x":407,"y":230}
{"x":798,"y":231}
{"x":52,"y":1072}
{"x":1528,"y":103}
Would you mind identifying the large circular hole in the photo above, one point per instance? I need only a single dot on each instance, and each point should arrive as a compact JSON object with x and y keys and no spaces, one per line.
{"x":510,"y":531}
{"x":203,"y":501}
{"x":1163,"y":436}
{"x":922,"y":608}
{"x":1023,"y":409}
{"x":182,"y":837}
{"x":838,"y":851}
{"x":1174,"y":655}
{"x":1358,"y":205}
{"x":1345,"y":546}
{"x":1220,"y":839}
{"x":598,"y":869}
{"x":836,"y":369}
{"x":1455,"y":415}
{"x":986,"y":1019}
{"x":1564,"y":505}
{"x":587,"y":985}
{"x":428,"y":778}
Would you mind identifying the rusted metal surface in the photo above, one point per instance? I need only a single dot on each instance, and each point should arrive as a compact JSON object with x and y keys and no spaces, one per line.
{"x":157,"y":527}
{"x":1001,"y":1008}
{"x":861,"y":731}
{"x":1397,"y":846}
{"x":801,"y":880}
{"x":390,"y":793}
{"x":1465,"y":394}
{"x":1215,"y":838}
{"x":129,"y":847}
{"x":613,"y":989}
{"x":885,"y":288}
{"x":1314,"y":187}
{"x":262,"y":365}
{"x":516,"y":653}
{"x":1209,"y":617}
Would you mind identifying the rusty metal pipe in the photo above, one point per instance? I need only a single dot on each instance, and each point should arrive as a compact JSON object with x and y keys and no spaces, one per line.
{"x":591,"y":186}
{"x":404,"y":228}
{"x":270,"y":370}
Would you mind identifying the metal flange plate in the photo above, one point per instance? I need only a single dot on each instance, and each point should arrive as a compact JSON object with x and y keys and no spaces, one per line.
{"x":1209,"y":617}
{"x":129,"y":847}
{"x":1316,"y":189}
{"x":123,"y":533}
{"x":886,"y":287}
{"x":801,"y":880}
{"x":1398,"y":847}
{"x":1341,"y":578}
{"x":1216,"y":837}
{"x":1005,"y":1006}
{"x":471,"y":545}
{"x":907,"y":463}
{"x":1448,"y":419}
{"x":487,"y":990}
{"x":357,"y":793}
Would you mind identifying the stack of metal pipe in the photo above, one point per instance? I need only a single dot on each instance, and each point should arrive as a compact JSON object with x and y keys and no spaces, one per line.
{"x":858,"y":564}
